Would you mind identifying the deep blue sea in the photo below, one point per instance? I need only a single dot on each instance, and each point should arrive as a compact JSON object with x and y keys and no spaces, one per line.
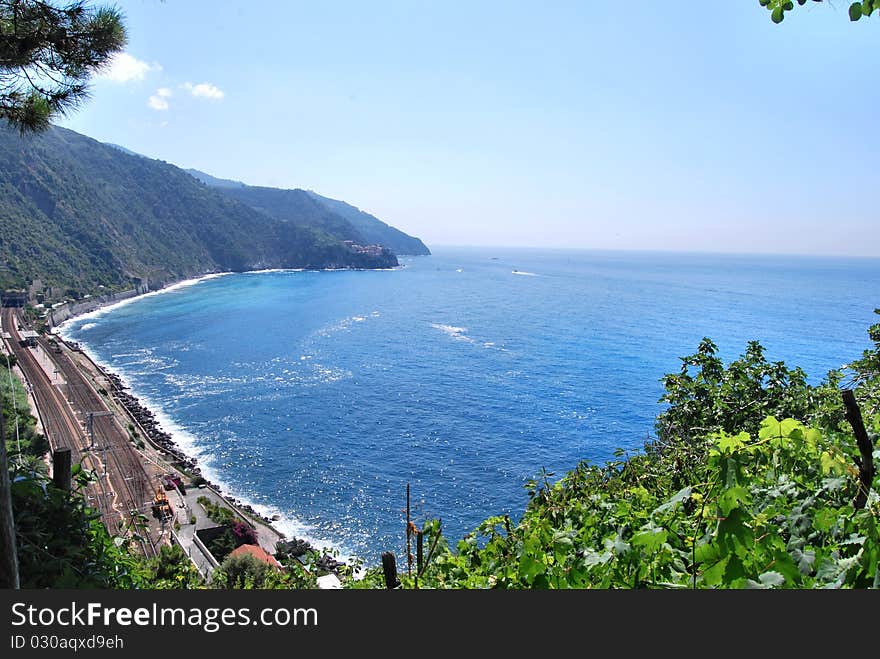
{"x":319,"y":395}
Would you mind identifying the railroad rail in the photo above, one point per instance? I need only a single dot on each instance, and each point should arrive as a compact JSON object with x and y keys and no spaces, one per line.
{"x":123,"y":490}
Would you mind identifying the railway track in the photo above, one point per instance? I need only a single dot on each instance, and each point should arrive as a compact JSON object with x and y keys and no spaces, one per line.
{"x":123,"y":489}
{"x":123,"y":466}
{"x":62,"y":428}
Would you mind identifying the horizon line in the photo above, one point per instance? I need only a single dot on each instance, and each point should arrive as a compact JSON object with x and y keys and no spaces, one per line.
{"x":644,"y":250}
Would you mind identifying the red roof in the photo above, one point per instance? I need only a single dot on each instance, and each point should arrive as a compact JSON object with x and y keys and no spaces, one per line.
{"x":257,"y":552}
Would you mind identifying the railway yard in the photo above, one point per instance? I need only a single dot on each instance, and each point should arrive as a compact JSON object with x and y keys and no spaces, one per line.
{"x":78,"y":412}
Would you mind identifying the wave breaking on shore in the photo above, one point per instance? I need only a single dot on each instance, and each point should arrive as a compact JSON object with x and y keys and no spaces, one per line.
{"x":63,"y":328}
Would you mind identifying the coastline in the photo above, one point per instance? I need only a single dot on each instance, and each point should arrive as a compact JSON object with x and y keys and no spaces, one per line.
{"x":175,"y":443}
{"x":100,"y":307}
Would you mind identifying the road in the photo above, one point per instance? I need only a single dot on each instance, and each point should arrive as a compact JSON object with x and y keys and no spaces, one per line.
{"x":123,"y":490}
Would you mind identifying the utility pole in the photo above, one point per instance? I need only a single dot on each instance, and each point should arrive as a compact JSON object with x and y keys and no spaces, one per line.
{"x":90,"y":424}
{"x":90,"y":421}
{"x":8,"y":553}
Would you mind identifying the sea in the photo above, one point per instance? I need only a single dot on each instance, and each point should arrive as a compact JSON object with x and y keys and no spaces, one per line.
{"x":318,"y":396}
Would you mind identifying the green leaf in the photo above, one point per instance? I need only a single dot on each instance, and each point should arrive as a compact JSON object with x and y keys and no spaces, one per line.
{"x":618,"y":546}
{"x":735,"y":569}
{"x":833,"y":484}
{"x":531,"y":563}
{"x":787,"y":568}
{"x":805,"y":560}
{"x":713,"y":575}
{"x":771,"y":428}
{"x":832,"y":463}
{"x":673,"y":503}
{"x":788,"y":426}
{"x":730,"y":443}
{"x":651,"y":539}
{"x":563,"y":541}
{"x":854,"y":539}
{"x":855,"y":11}
{"x":734,"y":533}
{"x":767,"y":580}
{"x":592,"y":558}
{"x":824,"y":519}
{"x":812,"y":437}
{"x":777,"y":15}
{"x":707,"y":553}
{"x":731,"y":498}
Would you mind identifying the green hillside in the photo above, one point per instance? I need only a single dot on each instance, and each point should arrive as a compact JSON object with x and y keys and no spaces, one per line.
{"x":337,"y":218}
{"x":372,"y":228}
{"x":295,"y":206}
{"x":77,"y":213}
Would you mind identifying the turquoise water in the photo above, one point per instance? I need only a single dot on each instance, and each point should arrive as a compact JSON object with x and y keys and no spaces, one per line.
{"x":319,"y":395}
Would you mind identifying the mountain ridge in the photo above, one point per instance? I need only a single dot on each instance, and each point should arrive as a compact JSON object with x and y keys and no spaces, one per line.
{"x":79,"y":214}
{"x":337,"y":217}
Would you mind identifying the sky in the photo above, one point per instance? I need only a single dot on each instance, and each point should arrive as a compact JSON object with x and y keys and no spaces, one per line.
{"x":671,"y":126}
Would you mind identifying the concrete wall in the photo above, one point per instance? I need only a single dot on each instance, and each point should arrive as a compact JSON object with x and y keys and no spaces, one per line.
{"x":62,"y":313}
{"x":211,"y":533}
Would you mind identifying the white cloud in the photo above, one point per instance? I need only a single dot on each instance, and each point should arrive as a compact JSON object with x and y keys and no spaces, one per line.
{"x":157,"y":102}
{"x":204,"y":90}
{"x":126,"y":68}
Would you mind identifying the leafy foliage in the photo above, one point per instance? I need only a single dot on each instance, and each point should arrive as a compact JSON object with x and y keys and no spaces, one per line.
{"x":705,"y":397}
{"x":864,"y":8}
{"x":48,"y":53}
{"x":245,"y":534}
{"x":735,"y":493}
{"x":247,"y":572}
{"x":235,"y":532}
{"x":24,"y":445}
{"x":857,"y":10}
{"x":865,"y":372}
{"x":172,"y":570}
{"x":240,"y":572}
{"x":220,"y":514}
{"x":771,"y":510}
{"x":62,"y":542}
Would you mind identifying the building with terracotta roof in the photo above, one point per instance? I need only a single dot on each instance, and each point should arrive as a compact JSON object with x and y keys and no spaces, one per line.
{"x":257,"y":552}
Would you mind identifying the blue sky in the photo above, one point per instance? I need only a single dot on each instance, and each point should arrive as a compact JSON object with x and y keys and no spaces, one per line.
{"x":652,"y":125}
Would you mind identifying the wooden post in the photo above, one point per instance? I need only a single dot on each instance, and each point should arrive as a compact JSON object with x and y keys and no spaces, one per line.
{"x":866,"y":448}
{"x":420,"y":556}
{"x":61,"y":468}
{"x":8,"y":553}
{"x":389,"y":567}
{"x":408,"y":536}
{"x":433,"y":546}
